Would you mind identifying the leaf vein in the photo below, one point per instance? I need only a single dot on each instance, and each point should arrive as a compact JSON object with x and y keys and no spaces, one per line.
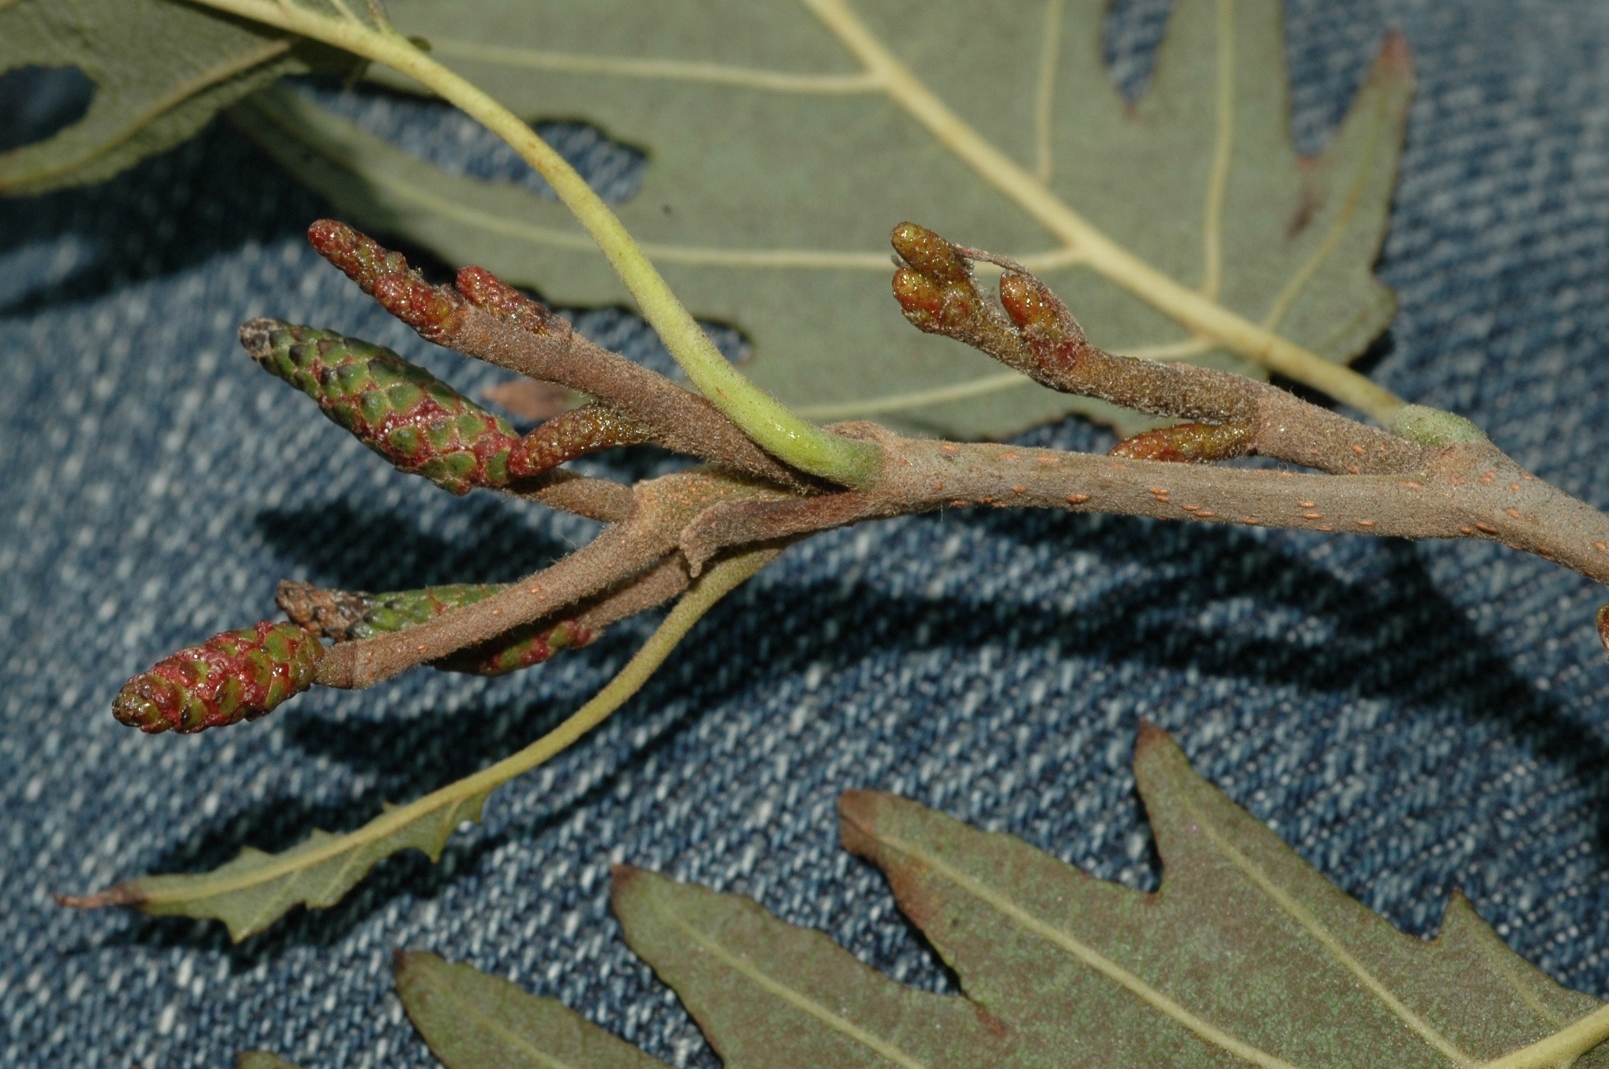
{"x":1089,"y":956}
{"x":1326,"y":938}
{"x":1223,"y":152}
{"x":659,"y":69}
{"x":794,"y":998}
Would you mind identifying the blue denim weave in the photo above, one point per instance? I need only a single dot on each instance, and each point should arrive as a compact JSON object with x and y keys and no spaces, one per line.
{"x":1413,"y":717}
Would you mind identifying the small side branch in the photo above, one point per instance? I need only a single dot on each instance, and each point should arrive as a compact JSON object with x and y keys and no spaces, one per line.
{"x":619,"y":554}
{"x":1032,"y":331}
{"x":490,"y":320}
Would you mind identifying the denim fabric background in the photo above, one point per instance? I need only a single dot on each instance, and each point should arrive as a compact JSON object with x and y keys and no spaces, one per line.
{"x":1412,"y":717}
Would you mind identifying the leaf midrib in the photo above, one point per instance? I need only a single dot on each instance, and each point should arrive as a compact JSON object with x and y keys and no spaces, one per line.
{"x":1091,"y":957}
{"x":797,"y":999}
{"x":1326,"y":938}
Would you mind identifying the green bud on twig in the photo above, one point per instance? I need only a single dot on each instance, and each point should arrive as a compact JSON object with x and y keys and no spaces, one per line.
{"x":331,"y":612}
{"x":398,"y":610}
{"x":238,"y":675}
{"x":401,"y":411}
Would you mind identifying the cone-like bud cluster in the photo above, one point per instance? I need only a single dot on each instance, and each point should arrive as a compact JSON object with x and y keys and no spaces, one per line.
{"x":1187,"y":443}
{"x":522,"y":647}
{"x":238,"y":675}
{"x":404,"y":413}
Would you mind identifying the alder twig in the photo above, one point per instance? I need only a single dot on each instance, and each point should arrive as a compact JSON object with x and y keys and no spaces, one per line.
{"x":1439,"y":478}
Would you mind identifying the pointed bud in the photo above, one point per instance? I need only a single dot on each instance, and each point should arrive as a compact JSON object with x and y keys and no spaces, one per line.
{"x":573,"y":434}
{"x":491,"y":294}
{"x":404,"y":413}
{"x":433,"y":311}
{"x":1603,"y":627}
{"x":385,"y":275}
{"x":935,"y":289}
{"x":238,"y":675}
{"x":360,"y":258}
{"x":1187,"y":443}
{"x":521,"y":648}
{"x":938,"y":295}
{"x":929,"y":254}
{"x":1052,"y":334}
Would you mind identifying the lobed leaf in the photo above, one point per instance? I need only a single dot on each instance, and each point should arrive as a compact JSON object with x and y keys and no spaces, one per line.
{"x":161,"y":70}
{"x":1246,"y":956}
{"x":777,"y":163}
{"x":471,"y":1020}
{"x":771,"y":994}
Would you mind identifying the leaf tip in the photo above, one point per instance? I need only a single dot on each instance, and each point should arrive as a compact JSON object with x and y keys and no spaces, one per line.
{"x":859,"y":807}
{"x":622,"y":878}
{"x":1395,"y":54}
{"x":1151,"y":737}
{"x":408,"y":962}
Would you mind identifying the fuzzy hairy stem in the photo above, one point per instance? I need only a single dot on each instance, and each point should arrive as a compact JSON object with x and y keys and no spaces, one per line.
{"x":620,"y":553}
{"x":1469,"y":490}
{"x":596,"y":499}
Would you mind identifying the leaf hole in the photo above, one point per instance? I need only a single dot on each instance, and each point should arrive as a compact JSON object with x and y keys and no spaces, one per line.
{"x":37,"y":103}
{"x":1130,"y":37}
{"x":438,"y":133}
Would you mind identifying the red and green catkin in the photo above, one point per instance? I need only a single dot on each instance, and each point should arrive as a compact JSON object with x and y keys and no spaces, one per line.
{"x":401,"y":411}
{"x":520,"y":648}
{"x":238,"y":675}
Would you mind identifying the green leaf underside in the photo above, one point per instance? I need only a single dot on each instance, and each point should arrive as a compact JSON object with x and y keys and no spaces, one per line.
{"x":247,"y":903}
{"x":161,"y":70}
{"x":471,"y":1019}
{"x":1246,"y":956}
{"x":776,"y":171}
